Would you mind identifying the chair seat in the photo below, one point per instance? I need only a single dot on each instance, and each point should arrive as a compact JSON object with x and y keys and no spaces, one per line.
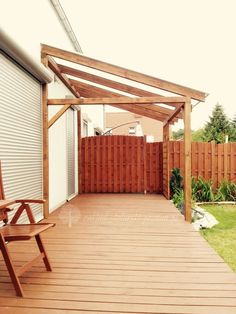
{"x":20,"y":232}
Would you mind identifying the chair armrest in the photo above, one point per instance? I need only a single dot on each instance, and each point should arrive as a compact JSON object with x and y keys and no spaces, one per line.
{"x":31,"y":201}
{"x":4,"y":215}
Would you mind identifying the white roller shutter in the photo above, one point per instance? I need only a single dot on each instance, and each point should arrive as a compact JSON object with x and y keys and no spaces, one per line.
{"x":20,"y":133}
{"x":70,"y":153}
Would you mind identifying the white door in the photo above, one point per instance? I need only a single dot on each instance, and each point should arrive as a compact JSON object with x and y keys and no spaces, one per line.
{"x":20,"y":133}
{"x":70,"y":142}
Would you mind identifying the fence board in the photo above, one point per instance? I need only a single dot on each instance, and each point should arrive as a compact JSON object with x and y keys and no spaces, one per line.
{"x":210,"y":161}
{"x":129,"y":164}
{"x":121,"y":164}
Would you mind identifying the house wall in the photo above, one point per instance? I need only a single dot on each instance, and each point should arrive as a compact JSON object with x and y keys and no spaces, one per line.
{"x":58,"y":149}
{"x":151,"y":128}
{"x":94,"y":115}
{"x":31,"y":23}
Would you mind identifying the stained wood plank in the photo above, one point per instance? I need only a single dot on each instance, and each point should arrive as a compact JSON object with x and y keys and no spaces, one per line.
{"x":107,"y":82}
{"x":116,"y":100}
{"x":79,"y":162}
{"x":44,"y":60}
{"x":122,"y":72}
{"x":58,"y":115}
{"x":187,"y":161}
{"x":118,"y":256}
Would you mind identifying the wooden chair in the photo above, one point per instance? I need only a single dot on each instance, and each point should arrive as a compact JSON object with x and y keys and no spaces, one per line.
{"x":20,"y":232}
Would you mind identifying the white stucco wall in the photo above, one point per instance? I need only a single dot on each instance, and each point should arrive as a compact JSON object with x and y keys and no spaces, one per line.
{"x":58,"y":177}
{"x":95,"y":113}
{"x":30,"y":23}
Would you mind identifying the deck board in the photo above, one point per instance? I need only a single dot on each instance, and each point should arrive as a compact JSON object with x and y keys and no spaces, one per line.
{"x":121,"y":253}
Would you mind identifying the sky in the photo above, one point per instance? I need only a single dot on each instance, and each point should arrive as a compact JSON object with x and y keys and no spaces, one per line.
{"x":189,"y":42}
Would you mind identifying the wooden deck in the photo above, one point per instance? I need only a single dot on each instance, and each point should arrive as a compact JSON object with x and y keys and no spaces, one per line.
{"x":122,"y":254}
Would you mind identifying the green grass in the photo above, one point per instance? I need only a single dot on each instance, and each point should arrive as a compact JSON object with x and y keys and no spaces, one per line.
{"x":222,"y":237}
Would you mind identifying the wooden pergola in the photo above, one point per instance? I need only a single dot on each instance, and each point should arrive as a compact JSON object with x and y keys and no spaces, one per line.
{"x":167,"y":109}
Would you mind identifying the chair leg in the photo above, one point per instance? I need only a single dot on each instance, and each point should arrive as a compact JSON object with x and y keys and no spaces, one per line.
{"x":10,"y":267}
{"x":42,"y":250}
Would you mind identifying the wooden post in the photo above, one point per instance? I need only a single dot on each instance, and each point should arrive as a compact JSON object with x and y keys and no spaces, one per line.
{"x":187,"y":161}
{"x":166,"y":161}
{"x":145,"y":164}
{"x":79,"y":151}
{"x":44,"y":60}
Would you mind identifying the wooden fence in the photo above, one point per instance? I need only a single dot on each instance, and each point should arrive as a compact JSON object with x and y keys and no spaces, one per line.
{"x":128,"y":164}
{"x":154,"y":167}
{"x":209,"y":160}
{"x":116,"y":164}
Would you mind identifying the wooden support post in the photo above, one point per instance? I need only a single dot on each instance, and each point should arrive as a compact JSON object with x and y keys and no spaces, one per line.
{"x":166,"y":132}
{"x":145,"y":164}
{"x":44,"y":60}
{"x":166,"y":160}
{"x":79,"y":151}
{"x":187,"y":161}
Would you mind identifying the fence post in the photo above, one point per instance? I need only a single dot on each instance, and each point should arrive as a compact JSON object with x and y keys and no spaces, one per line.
{"x":213,"y":164}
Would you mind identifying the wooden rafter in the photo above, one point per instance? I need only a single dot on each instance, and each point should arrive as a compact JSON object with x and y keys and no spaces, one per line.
{"x":142,"y":112}
{"x":147,"y":112}
{"x":123,"y":72}
{"x":116,"y":100}
{"x":54,"y":67}
{"x":94,"y":91}
{"x":108,"y":83}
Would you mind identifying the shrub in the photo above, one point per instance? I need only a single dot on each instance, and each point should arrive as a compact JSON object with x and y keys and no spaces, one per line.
{"x":226,"y":191}
{"x":178,"y":199}
{"x":176,"y":181}
{"x":202,"y":190}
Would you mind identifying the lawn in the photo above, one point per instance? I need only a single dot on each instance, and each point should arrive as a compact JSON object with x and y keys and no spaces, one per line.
{"x":222,"y":237}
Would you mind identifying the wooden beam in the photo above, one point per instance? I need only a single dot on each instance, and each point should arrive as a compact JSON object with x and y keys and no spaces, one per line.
{"x":44,"y":60}
{"x":141,"y":110}
{"x":187,"y":161}
{"x":88,"y":90}
{"x":116,"y":100}
{"x":54,"y":67}
{"x":123,"y":72}
{"x":58,"y":115}
{"x":108,"y":83}
{"x":174,"y":114}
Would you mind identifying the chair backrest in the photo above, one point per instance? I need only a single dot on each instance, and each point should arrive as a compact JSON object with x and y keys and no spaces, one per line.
{"x":2,"y":195}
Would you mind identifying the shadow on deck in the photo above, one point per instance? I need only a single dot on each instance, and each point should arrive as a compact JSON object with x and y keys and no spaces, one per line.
{"x":121,"y":253}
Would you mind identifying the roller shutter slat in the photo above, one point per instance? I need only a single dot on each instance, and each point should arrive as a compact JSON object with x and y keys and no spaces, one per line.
{"x":20,"y":133}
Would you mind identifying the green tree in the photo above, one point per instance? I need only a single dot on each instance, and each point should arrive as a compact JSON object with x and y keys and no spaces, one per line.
{"x":218,"y":127}
{"x":233,"y":130}
{"x":198,"y":135}
{"x":178,"y":135}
